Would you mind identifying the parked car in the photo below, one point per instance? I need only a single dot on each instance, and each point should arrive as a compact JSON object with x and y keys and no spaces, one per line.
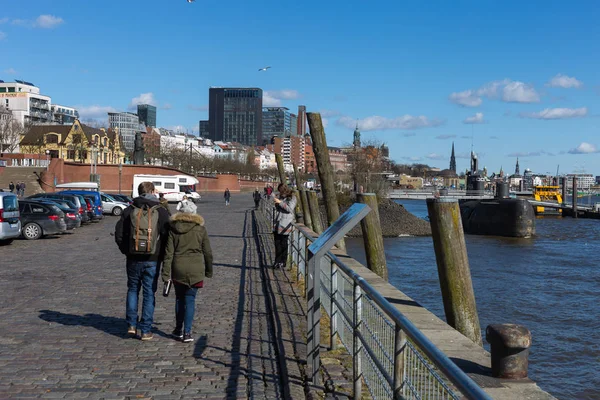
{"x":96,"y":200}
{"x":111,"y":205}
{"x":79,"y":202}
{"x":122,"y":198}
{"x":72,"y":218}
{"x":39,"y":219}
{"x":10,"y":222}
{"x":89,"y":208}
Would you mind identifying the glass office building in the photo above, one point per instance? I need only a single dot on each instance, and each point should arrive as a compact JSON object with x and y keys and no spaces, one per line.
{"x":277,"y":121}
{"x":235,"y":115}
{"x":147,"y":114}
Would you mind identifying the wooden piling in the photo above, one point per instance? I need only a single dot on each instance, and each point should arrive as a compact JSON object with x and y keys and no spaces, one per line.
{"x":299,"y":214}
{"x":453,"y":267}
{"x":280,"y":168}
{"x":574,"y":197}
{"x":315,"y":212}
{"x":326,"y":173}
{"x":564,"y":191}
{"x":372,"y":237}
{"x":303,"y":198}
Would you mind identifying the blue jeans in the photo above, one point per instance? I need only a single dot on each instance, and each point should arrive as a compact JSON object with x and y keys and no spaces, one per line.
{"x":141,"y":275}
{"x":185,"y":304}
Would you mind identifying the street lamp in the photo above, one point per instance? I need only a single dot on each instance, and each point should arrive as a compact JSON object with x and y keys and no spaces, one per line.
{"x":120,"y":173}
{"x":47,"y":160}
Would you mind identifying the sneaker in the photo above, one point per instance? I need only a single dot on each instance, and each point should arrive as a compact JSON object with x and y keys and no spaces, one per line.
{"x":147,"y":336}
{"x":131,"y":330}
{"x":187,"y":338}
{"x":177,"y":333}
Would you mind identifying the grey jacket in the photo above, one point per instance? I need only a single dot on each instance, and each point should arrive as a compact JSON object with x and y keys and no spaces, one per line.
{"x":285,"y":214}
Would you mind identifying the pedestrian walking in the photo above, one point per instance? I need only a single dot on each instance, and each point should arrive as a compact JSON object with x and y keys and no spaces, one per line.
{"x":227,"y":196}
{"x":11,"y":187}
{"x":18,"y":189}
{"x":256,"y":196}
{"x":186,"y":205}
{"x":188,"y":261}
{"x":163,"y":202}
{"x":23,"y":186}
{"x":285,"y":204}
{"x":141,"y":234}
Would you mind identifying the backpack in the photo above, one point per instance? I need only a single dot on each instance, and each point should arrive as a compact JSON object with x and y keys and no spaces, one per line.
{"x":144,"y":231}
{"x":188,"y":207}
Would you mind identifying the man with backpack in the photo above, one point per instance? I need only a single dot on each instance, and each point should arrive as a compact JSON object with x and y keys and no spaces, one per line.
{"x":141,"y":235}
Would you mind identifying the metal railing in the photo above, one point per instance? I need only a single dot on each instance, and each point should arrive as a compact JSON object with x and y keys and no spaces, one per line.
{"x":389,"y":353}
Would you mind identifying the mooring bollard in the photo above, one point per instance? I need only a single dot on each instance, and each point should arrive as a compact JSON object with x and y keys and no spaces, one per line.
{"x":510,"y":350}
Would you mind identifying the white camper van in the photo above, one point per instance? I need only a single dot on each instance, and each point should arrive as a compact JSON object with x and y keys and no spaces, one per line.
{"x":173,"y":187}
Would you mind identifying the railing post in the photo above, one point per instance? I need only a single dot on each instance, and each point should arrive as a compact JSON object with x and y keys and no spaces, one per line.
{"x":332,"y":306}
{"x":399,"y":357}
{"x":356,"y":344}
{"x":294,"y":246}
{"x":313,"y":295}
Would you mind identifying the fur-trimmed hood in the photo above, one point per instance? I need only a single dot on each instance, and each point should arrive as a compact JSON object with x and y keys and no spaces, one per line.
{"x":185,"y":222}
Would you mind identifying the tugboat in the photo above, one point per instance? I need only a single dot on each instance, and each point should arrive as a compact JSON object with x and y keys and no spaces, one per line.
{"x":500,"y":216}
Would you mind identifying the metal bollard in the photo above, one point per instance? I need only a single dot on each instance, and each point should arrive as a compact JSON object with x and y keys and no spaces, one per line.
{"x":510,"y":350}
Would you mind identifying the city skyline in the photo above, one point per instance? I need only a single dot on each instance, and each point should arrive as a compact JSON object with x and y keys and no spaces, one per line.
{"x":517,"y":80}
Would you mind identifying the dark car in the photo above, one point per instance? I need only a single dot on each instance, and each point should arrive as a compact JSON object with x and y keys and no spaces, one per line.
{"x":40,"y":219}
{"x":73,"y":198}
{"x":96,"y":200}
{"x":89,"y":208}
{"x":72,"y":218}
{"x":121,"y":197}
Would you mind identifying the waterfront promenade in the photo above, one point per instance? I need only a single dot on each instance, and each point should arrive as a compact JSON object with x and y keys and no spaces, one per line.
{"x":62,"y":328}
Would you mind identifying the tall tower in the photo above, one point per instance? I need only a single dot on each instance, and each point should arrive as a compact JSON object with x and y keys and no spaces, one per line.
{"x":356,"y":141}
{"x":517,"y":171}
{"x":452,"y":160}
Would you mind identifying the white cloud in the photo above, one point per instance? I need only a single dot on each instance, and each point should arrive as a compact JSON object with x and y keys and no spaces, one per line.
{"x":557,"y":113}
{"x":507,"y":90}
{"x":273,"y":98}
{"x":329,"y":113}
{"x":325,"y":122}
{"x":198,"y":108}
{"x":475,"y":119}
{"x":377,"y":123}
{"x":443,"y":137}
{"x":584,"y":148}
{"x":47,"y":21}
{"x":526,"y":154}
{"x":3,"y":20}
{"x":564,"y":81}
{"x":468,"y":98}
{"x":144,"y":98}
{"x":2,"y":36}
{"x":92,"y":112}
{"x":464,"y":155}
{"x":519,"y":92}
{"x":412,"y":158}
{"x":10,"y":71}
{"x":166,"y":106}
{"x":435,"y":156}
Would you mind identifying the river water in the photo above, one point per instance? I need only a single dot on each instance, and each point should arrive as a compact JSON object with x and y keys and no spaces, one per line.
{"x":549,"y":283}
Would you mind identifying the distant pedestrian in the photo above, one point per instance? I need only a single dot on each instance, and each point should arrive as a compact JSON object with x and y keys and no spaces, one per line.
{"x":186,"y":206}
{"x":227,"y":196}
{"x":285,"y":205}
{"x":141,"y":235}
{"x":256,"y":196}
{"x":164,"y":202}
{"x":18,"y":189}
{"x":23,"y":189}
{"x":11,"y":186}
{"x":188,"y":261}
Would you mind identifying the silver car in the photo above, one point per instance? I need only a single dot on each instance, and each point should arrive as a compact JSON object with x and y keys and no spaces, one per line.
{"x":112,"y":206}
{"x":10,"y":222}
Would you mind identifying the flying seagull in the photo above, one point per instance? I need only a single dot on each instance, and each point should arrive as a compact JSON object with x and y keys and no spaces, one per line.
{"x":191,"y":1}
{"x":263,"y":69}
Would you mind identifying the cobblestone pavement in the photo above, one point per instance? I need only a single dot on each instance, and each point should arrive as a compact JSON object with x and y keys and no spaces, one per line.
{"x":62,"y":328}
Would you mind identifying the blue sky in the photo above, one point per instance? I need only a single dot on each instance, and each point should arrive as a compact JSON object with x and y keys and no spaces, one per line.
{"x":525,"y":74}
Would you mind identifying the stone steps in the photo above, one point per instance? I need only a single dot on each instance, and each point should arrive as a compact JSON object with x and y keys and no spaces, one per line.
{"x":22,"y":174}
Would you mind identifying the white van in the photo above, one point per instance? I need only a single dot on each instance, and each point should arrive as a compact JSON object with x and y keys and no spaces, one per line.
{"x":173,"y":187}
{"x":10,"y":221}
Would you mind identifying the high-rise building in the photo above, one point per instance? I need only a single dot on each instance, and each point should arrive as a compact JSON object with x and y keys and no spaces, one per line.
{"x":203,"y":128}
{"x":301,"y":130}
{"x":294,"y":124}
{"x":147,"y":114}
{"x":127,"y":124}
{"x":292,"y":150}
{"x":25,"y":102}
{"x":452,"y":160}
{"x":277,"y":122}
{"x":235,"y":115}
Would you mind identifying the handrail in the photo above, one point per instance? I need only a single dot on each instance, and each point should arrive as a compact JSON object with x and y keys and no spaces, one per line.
{"x":458,"y":377}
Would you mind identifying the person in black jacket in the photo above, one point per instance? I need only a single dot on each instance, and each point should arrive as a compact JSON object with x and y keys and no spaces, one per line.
{"x":142,"y":270}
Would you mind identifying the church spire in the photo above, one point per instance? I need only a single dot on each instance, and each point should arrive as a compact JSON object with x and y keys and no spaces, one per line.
{"x":356,"y":141}
{"x":517,"y":169}
{"x":452,"y":160}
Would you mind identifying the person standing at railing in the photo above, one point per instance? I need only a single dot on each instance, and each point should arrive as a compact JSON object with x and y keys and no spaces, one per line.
{"x":285,"y":204}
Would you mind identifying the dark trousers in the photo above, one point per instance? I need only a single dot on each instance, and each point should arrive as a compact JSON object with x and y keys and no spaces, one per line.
{"x":185,"y":306}
{"x":281,"y":248}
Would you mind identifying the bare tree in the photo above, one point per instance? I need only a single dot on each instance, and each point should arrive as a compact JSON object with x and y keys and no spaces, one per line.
{"x":10,"y":134}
